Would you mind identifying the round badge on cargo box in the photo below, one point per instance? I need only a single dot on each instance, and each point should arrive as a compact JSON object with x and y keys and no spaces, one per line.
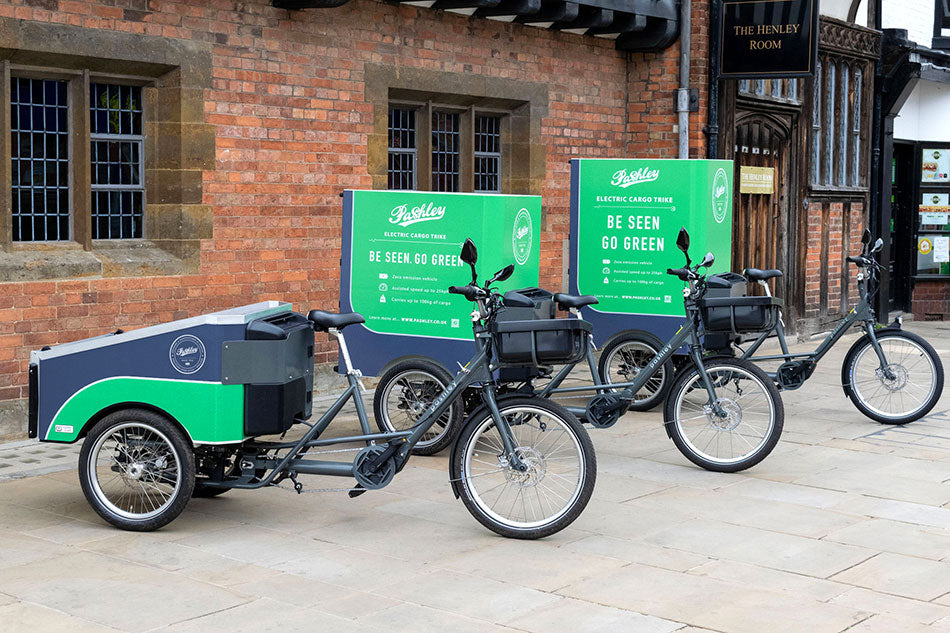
{"x":187,"y":354}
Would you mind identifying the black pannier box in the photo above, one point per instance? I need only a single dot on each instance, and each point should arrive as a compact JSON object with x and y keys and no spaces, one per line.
{"x":727,"y":309}
{"x":540,"y":342}
{"x":726,"y":285}
{"x":543,"y":306}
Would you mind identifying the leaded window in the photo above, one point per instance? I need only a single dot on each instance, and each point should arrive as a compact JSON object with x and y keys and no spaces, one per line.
{"x":487,"y":154}
{"x":449,"y":148}
{"x":838,"y":146}
{"x":118,"y":170}
{"x":402,"y":148}
{"x":446,"y":151}
{"x":39,"y":137}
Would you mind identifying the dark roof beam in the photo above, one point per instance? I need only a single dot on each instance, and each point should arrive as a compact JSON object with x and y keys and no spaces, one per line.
{"x":550,"y":13}
{"x":587,"y":18}
{"x":512,"y":8}
{"x":464,"y":4}
{"x":658,"y":35}
{"x":623,"y":23}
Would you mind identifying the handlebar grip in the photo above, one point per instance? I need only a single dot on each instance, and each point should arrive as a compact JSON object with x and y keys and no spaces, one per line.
{"x":682,"y":273}
{"x":469,"y":292}
{"x":858,"y":259}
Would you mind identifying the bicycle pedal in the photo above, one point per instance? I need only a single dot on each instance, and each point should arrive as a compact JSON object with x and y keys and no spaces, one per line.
{"x":357,"y":491}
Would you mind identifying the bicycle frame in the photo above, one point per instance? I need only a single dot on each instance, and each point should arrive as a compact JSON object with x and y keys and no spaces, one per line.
{"x":478,"y":369}
{"x":861,"y":313}
{"x":689,"y":332}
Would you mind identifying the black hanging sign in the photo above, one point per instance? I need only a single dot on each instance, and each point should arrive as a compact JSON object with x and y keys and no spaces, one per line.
{"x":768,"y":38}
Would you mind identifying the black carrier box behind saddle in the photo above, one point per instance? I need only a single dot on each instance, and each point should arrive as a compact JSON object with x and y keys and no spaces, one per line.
{"x":275,"y":364}
{"x":728,"y":310}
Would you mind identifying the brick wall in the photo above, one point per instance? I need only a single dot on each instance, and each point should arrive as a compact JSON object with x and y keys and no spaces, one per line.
{"x":931,"y":300}
{"x":287,"y":102}
{"x":834,"y":230}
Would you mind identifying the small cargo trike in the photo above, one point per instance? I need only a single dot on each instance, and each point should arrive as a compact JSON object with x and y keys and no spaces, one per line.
{"x":176,"y":410}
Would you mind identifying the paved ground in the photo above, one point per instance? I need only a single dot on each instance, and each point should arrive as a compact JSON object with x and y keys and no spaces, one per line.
{"x":846,"y":526}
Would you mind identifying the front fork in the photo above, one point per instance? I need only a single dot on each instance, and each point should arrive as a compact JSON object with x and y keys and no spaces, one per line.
{"x":695,"y":352}
{"x":872,"y":336}
{"x":504,"y":429}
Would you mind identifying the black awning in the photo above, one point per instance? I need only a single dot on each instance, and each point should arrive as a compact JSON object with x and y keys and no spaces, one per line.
{"x":635,"y":25}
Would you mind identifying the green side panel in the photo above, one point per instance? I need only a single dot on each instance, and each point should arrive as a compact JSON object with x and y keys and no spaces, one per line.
{"x":405,"y":255}
{"x":210,"y":412}
{"x":629,"y":215}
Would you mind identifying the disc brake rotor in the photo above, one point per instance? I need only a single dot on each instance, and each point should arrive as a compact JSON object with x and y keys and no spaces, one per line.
{"x":732,"y":419}
{"x":898,"y":377}
{"x":532,"y":475}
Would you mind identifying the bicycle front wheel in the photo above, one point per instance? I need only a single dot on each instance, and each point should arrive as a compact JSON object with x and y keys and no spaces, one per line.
{"x":547,"y":496}
{"x":904,"y":390}
{"x":735,"y":431}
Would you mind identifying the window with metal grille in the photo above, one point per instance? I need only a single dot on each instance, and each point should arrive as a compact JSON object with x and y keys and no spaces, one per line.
{"x":446,"y":151}
{"x":487,"y":154}
{"x":118,"y":169}
{"x":402,"y":148}
{"x":39,"y":137}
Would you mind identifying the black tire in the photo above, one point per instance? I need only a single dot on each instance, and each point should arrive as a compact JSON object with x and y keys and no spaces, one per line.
{"x":625,"y":357}
{"x":568,"y":440}
{"x":757,"y":424}
{"x":404,"y":393}
{"x":154,"y":466}
{"x":914,"y":387}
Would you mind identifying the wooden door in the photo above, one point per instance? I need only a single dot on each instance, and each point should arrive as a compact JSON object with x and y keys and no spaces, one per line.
{"x":760,"y":235}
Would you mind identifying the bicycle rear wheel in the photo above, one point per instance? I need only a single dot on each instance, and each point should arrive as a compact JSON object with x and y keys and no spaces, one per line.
{"x":402,"y":397}
{"x":626,"y":356}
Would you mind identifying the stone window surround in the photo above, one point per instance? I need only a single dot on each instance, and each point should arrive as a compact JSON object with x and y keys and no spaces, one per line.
{"x":179,"y":145}
{"x":523,"y":103}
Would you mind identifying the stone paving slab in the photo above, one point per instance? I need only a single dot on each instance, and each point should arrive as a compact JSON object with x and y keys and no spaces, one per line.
{"x":845,"y":527}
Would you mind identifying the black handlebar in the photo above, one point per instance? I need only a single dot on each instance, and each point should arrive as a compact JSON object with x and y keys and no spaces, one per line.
{"x":471,"y":292}
{"x":860,"y":260}
{"x":683,"y":273}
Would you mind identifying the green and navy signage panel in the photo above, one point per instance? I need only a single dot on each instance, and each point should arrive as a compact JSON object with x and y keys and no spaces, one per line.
{"x":625,"y":217}
{"x":400,"y":254}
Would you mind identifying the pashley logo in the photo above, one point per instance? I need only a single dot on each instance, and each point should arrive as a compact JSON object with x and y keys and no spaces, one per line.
{"x":624,"y":179}
{"x":403,"y":215}
{"x":187,"y":354}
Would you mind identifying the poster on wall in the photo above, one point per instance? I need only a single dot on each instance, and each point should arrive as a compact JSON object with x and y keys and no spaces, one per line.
{"x":935,"y":165}
{"x":942,"y":248}
{"x":625,"y":217}
{"x":400,"y":253}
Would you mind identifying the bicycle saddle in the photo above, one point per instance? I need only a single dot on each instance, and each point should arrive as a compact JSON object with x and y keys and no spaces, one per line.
{"x":322,"y":321}
{"x":565,"y":301}
{"x":754,"y":274}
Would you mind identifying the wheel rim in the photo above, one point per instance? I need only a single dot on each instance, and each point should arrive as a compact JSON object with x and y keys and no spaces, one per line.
{"x":556,"y":469}
{"x":904,"y":388}
{"x":625,"y":363}
{"x":135,"y":471}
{"x":407,"y":397}
{"x":748,"y":422}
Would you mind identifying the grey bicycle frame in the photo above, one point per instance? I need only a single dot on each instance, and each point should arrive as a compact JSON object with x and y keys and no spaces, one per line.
{"x":861,"y":313}
{"x":688,"y":333}
{"x":478,"y":369}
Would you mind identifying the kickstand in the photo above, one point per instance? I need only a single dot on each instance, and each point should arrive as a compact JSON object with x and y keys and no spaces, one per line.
{"x":357,"y":491}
